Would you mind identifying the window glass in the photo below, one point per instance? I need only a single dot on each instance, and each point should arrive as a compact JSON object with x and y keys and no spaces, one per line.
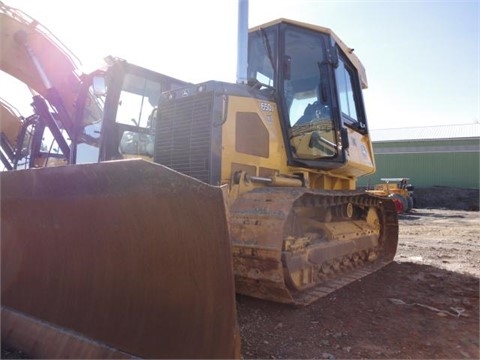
{"x":138,"y":98}
{"x":304,"y":53}
{"x":307,"y":95}
{"x":136,"y":107}
{"x":345,"y":88}
{"x":261,"y":57}
{"x":88,"y":150}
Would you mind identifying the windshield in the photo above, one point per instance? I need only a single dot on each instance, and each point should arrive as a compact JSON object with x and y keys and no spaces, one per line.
{"x":261,"y":56}
{"x":303,"y":77}
{"x":307,"y":95}
{"x":138,"y":98}
{"x":136,"y":107}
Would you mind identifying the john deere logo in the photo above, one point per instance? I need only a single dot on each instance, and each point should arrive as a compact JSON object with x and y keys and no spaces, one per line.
{"x":363,"y":149}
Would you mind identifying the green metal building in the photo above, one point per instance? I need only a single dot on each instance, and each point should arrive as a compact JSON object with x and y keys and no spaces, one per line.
{"x":430,"y":156}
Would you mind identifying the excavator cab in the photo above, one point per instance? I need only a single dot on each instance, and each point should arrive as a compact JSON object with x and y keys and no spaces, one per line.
{"x":127,"y":96}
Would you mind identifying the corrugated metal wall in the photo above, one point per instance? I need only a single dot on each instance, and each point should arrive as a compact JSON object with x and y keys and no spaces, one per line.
{"x":453,"y":163}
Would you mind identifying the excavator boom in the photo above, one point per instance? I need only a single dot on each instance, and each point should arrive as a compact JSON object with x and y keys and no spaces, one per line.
{"x":33,"y":55}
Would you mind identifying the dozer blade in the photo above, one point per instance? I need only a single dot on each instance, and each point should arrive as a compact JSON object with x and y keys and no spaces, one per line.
{"x":294,"y":245}
{"x":113,"y":260}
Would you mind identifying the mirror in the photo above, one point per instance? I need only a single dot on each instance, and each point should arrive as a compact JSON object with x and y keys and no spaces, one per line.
{"x":333,"y":55}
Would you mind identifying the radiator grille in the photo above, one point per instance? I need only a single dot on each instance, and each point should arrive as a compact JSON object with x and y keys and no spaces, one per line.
{"x":184,"y":136}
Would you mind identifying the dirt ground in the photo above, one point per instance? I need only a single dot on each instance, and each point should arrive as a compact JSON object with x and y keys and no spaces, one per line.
{"x":424,"y":305}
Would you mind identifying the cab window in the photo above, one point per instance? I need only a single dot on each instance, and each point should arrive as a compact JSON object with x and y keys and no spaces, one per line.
{"x":349,"y":102}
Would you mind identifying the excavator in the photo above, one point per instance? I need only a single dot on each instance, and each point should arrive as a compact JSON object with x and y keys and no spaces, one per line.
{"x":167,"y":197}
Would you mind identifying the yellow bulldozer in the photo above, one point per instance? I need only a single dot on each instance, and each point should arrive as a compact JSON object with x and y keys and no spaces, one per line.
{"x":161,"y":198}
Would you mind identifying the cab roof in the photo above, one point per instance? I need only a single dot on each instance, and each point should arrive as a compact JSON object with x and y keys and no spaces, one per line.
{"x":346,"y":50}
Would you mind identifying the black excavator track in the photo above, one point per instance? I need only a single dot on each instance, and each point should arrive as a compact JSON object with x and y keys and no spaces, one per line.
{"x":294,"y":245}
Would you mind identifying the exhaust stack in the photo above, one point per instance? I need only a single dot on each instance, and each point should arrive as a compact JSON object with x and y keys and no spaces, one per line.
{"x":242,"y":44}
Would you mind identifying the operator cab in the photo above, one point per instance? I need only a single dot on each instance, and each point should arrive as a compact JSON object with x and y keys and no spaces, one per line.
{"x":127,"y":98}
{"x":318,"y":87}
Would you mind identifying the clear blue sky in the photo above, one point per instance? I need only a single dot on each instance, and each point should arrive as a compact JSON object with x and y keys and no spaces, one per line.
{"x":422,"y":57}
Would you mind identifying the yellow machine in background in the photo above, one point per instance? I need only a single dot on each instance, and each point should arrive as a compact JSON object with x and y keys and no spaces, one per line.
{"x":399,"y":190}
{"x":284,"y":145}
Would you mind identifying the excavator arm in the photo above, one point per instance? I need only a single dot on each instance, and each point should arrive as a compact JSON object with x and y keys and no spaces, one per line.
{"x":33,"y":55}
